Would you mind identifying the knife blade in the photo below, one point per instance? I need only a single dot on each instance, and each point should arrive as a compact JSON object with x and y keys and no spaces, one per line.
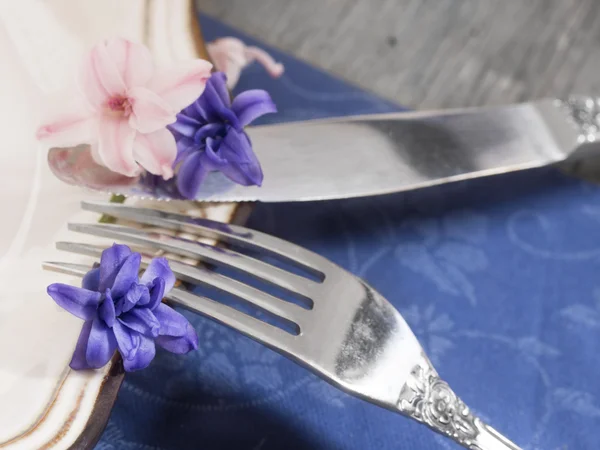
{"x":386,"y":153}
{"x":380,"y":154}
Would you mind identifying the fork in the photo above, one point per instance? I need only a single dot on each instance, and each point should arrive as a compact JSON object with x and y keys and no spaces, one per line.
{"x":342,"y":329}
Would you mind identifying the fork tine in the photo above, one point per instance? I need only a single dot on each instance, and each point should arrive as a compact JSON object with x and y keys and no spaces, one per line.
{"x":197,"y":275}
{"x":233,"y":234}
{"x":292,"y":283}
{"x":254,"y":328}
{"x":274,"y":305}
{"x":95,"y":251}
{"x":263,"y":332}
{"x":78,"y":270}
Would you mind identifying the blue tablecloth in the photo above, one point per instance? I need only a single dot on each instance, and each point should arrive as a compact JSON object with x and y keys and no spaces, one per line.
{"x":497,"y":277}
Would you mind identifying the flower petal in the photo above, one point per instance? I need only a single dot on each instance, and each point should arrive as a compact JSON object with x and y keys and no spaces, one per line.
{"x":66,"y":123}
{"x":190,"y":176}
{"x":79,"y":361}
{"x":243,"y":168}
{"x":107,"y":310}
{"x":156,"y":152}
{"x":110,"y":262}
{"x":250,"y":105}
{"x":171,"y":322}
{"x":207,"y":131}
{"x":212,"y":159}
{"x":126,"y":276}
{"x":95,"y":152}
{"x":141,"y":320}
{"x":180,"y":344}
{"x":157,"y":293}
{"x":179,"y":86}
{"x":202,"y":110}
{"x":236,"y":147}
{"x":142,"y":357}
{"x":115,"y":145}
{"x":274,"y":68}
{"x":128,"y":340}
{"x":137,"y":293}
{"x":185,"y":147}
{"x":133,"y":61}
{"x":78,"y":301}
{"x":101,"y":344}
{"x":159,"y":268}
{"x":91,"y":280}
{"x":218,"y":86}
{"x":244,"y":174}
{"x":99,"y":77}
{"x":228,"y":56}
{"x":184,"y":126}
{"x":215,"y":103}
{"x":150,"y":111}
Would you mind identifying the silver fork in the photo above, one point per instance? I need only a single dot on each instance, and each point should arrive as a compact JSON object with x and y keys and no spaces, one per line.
{"x":350,"y":336}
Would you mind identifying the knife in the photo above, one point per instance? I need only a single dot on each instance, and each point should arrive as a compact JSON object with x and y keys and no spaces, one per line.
{"x":385,"y":153}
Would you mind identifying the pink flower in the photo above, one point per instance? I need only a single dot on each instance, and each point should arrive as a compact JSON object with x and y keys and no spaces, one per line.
{"x":231,"y":56}
{"x":121,"y":106}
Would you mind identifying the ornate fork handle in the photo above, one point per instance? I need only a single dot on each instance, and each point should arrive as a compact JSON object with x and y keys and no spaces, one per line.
{"x":428,"y":399}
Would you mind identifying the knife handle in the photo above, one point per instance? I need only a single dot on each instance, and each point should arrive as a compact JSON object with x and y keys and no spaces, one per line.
{"x":584,"y":114}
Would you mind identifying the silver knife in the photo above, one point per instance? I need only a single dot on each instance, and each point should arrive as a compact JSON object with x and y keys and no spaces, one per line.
{"x":380,"y":154}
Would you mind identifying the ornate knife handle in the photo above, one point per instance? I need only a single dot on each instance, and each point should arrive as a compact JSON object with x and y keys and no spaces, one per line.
{"x":428,"y":399}
{"x":584,"y":114}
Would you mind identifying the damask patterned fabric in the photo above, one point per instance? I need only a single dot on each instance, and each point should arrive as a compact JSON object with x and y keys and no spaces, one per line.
{"x":497,"y":277}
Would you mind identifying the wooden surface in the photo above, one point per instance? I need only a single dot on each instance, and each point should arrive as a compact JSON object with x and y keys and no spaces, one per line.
{"x":435,"y":53}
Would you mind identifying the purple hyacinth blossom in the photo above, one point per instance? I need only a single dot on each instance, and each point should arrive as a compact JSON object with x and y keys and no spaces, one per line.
{"x":210,"y":136}
{"x":124,"y":312}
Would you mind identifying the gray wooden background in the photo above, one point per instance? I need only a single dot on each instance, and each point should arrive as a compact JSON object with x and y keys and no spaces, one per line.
{"x":435,"y":53}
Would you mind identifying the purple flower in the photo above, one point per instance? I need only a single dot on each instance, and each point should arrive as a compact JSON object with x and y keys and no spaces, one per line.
{"x":124,"y":312}
{"x":210,"y":136}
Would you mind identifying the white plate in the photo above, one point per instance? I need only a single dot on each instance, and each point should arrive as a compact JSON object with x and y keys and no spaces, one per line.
{"x":43,"y":404}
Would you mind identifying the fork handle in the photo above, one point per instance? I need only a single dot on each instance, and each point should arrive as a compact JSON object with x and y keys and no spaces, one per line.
{"x":490,"y":439}
{"x":428,"y":399}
